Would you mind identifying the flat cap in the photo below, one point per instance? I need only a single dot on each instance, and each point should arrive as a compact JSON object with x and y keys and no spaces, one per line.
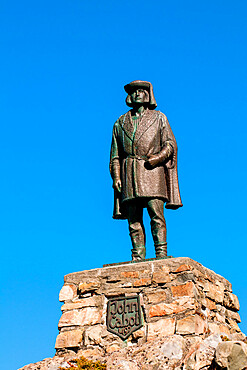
{"x":129,"y":88}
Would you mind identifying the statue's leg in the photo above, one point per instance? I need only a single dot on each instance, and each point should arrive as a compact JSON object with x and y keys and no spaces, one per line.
{"x":136,"y":229}
{"x":155,"y":209}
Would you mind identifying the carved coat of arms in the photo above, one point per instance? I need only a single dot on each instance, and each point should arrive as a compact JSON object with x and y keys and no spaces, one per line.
{"x":124,"y":316}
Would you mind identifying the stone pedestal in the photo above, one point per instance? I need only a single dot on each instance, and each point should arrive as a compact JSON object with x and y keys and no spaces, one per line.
{"x":178,"y":296}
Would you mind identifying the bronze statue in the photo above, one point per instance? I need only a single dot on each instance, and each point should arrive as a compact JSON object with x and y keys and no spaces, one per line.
{"x":143,"y":167}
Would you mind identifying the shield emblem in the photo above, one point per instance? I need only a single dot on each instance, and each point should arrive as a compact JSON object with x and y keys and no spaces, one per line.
{"x":124,"y":316}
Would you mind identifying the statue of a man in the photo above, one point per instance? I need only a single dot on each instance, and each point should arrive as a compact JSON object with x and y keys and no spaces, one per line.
{"x":143,"y":167}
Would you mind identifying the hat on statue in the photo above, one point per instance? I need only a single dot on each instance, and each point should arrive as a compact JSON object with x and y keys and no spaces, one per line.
{"x":138,"y":84}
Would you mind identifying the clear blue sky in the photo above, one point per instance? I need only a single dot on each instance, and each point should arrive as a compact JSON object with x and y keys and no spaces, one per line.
{"x":63,"y":66}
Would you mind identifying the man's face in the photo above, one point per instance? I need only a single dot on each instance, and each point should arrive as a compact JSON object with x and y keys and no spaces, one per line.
{"x":139,"y":96}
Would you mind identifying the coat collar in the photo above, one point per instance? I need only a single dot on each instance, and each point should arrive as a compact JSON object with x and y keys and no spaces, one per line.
{"x":146,"y":121}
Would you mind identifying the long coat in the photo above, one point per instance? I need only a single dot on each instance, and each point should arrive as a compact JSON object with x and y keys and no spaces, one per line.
{"x":131,"y":148}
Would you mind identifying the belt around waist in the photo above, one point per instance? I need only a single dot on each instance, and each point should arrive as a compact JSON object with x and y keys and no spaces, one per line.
{"x":139,"y":158}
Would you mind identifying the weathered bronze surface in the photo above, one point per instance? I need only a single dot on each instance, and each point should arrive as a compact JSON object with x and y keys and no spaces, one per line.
{"x":143,"y":167}
{"x":124,"y":316}
{"x":127,"y":262}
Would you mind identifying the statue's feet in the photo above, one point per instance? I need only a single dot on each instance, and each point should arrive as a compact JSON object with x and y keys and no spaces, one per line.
{"x":161,"y":250}
{"x":138,"y":259}
{"x":159,"y":257}
{"x":138,"y":253}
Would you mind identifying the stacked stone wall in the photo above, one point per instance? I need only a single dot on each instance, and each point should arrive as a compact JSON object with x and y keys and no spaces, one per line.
{"x":178,"y":296}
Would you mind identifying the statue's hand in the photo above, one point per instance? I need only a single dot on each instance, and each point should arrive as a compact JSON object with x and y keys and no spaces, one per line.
{"x":117,"y":185}
{"x":152,"y":161}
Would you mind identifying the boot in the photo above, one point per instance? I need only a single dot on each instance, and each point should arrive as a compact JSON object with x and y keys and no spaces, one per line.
{"x":161,"y":250}
{"x":138,"y":253}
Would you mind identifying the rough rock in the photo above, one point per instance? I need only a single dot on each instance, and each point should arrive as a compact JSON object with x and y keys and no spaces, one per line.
{"x":161,"y":328}
{"x":174,"y":352}
{"x":69,"y":339}
{"x":87,"y":316}
{"x":188,"y":315}
{"x":191,"y":325}
{"x":67,"y":293}
{"x":177,"y":306}
{"x":187,"y":289}
{"x":173,"y":347}
{"x":231,"y":355}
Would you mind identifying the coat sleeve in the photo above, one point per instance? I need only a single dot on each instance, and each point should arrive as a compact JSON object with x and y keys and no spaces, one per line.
{"x":168,"y":142}
{"x":118,"y":212}
{"x":170,"y":164}
{"x":114,"y":155}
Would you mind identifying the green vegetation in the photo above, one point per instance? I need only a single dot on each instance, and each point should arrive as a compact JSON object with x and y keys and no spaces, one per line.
{"x":83,"y":363}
